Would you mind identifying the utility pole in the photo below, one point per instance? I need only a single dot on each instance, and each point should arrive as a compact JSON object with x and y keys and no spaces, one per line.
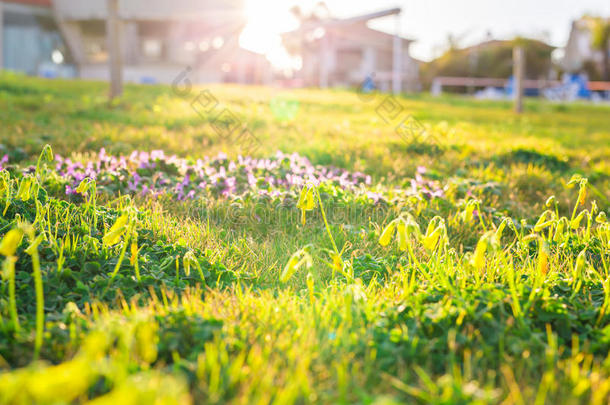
{"x":518,"y":73}
{"x":397,"y":58}
{"x":325,"y":61}
{"x":1,"y":32}
{"x":113,"y":35}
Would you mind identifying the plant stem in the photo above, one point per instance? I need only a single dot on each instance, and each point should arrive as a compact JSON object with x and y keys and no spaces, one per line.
{"x":330,"y":235}
{"x":118,"y":263}
{"x":39,"y":295}
{"x":10,"y":263}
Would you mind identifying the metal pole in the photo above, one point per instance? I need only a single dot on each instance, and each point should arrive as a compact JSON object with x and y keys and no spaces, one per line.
{"x":397,"y":59}
{"x":324,"y":62}
{"x":1,"y":34}
{"x":114,"y":49}
{"x":518,"y":73}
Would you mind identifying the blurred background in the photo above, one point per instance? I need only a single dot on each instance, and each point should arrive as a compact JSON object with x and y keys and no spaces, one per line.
{"x":410,"y":46}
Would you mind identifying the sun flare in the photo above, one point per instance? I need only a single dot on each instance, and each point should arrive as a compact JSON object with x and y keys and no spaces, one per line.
{"x":266,"y":20}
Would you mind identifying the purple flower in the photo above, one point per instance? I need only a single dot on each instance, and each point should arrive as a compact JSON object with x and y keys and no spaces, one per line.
{"x":3,"y":161}
{"x":155,"y":173}
{"x":132,"y":184}
{"x":374,"y":196}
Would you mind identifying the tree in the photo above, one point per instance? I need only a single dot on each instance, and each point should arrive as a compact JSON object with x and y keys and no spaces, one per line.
{"x":113,"y":34}
{"x":600,"y":41}
{"x":491,"y":59}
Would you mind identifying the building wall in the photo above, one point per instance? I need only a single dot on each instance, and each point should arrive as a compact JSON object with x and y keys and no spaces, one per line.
{"x":159,"y":39}
{"x":151,"y":10}
{"x":148,"y":73}
{"x":355,"y":64}
{"x":579,"y":49}
{"x":29,"y":37}
{"x":351,"y":54}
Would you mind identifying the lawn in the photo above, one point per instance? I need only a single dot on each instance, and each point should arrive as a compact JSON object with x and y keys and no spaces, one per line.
{"x":233,"y":244}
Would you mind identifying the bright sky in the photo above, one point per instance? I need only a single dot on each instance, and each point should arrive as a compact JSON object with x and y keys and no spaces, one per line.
{"x":429,"y":22}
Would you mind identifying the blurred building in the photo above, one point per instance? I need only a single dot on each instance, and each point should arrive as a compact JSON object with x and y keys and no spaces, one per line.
{"x":30,"y":41}
{"x":346,"y":52}
{"x":579,"y":54}
{"x":492,"y":58}
{"x":160,"y":38}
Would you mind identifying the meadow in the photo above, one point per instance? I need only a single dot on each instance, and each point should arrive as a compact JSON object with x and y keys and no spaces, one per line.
{"x":234,"y":244}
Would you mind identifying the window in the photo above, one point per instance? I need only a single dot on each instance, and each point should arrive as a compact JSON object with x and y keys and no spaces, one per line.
{"x":152,"y":48}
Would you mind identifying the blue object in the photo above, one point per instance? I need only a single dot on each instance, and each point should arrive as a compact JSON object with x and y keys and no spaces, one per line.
{"x":148,"y":80}
{"x":368,"y":85}
{"x":581,"y":82}
{"x":527,"y":92}
{"x":48,"y":74}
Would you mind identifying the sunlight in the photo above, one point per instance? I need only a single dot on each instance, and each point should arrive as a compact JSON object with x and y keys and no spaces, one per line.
{"x":267,"y":19}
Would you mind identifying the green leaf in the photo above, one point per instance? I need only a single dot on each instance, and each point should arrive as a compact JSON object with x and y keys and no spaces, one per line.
{"x":306,"y":202}
{"x":296,"y":261}
{"x":562,"y":224}
{"x":412,"y":226}
{"x":544,"y":252}
{"x":401,"y":233}
{"x":34,"y":244}
{"x":500,"y":229}
{"x":24,"y":192}
{"x":478,"y":258}
{"x":289,"y":269}
{"x":310,"y":203}
{"x":83,"y":186}
{"x":189,"y":259}
{"x":11,"y":242}
{"x":575,"y":223}
{"x":431,"y":239}
{"x":574,"y":180}
{"x":47,"y":154}
{"x":581,"y":262}
{"x":388,"y":232}
{"x":582,"y":192}
{"x":306,"y":199}
{"x":116,"y":231}
{"x":543,"y":222}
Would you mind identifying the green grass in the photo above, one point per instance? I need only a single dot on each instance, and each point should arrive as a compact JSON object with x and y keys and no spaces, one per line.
{"x":488,"y":294}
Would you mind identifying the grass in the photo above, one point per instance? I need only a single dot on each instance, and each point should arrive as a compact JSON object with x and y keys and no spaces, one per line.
{"x":460,"y":283}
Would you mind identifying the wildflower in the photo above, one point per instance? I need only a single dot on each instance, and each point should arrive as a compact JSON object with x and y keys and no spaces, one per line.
{"x":3,"y":161}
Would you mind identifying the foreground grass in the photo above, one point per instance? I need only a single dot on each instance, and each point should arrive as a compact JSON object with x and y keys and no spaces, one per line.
{"x":485,"y":293}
